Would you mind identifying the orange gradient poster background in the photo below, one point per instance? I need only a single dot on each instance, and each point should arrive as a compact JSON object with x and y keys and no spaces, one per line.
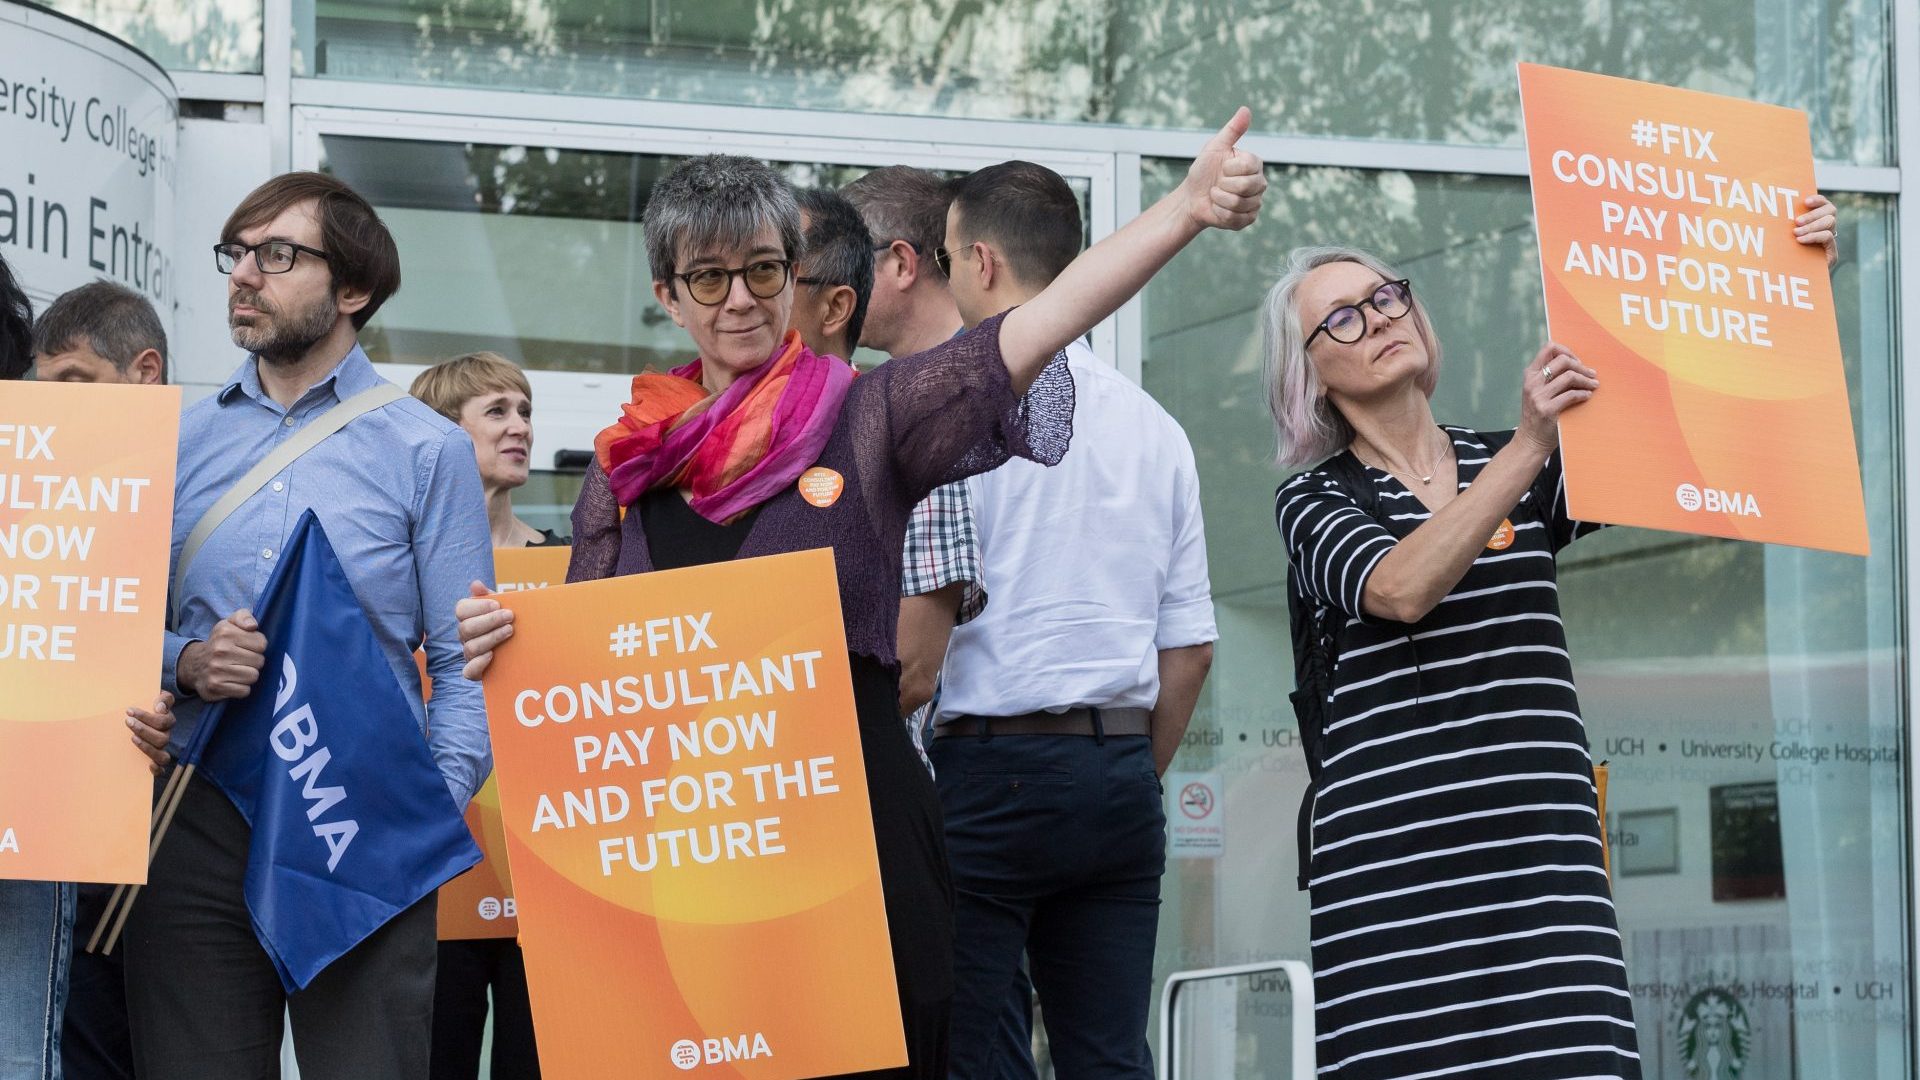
{"x":480,"y":902}
{"x":1666,"y":223}
{"x":686,"y":816}
{"x":86,"y":517}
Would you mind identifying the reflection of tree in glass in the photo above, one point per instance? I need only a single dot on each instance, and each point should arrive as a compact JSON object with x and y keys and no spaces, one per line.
{"x":1440,"y":71}
{"x":197,"y":35}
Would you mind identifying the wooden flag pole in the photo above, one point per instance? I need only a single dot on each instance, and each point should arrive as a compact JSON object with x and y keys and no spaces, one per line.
{"x":153,"y":846}
{"x":171,"y":800}
{"x":100,"y":928}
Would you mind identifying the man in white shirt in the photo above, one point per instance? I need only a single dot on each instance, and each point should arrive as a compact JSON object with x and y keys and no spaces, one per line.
{"x":1064,"y":702}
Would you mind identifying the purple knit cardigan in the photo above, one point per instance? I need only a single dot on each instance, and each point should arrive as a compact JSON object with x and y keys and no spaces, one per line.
{"x":906,"y":428}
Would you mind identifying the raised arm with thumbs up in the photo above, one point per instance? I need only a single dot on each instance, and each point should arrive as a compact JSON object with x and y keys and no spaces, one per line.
{"x":1222,"y":191}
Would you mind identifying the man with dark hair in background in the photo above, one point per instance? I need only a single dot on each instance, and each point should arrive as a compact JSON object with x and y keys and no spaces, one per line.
{"x":100,"y":333}
{"x":1065,"y":700}
{"x":835,"y":275}
{"x":398,"y":492}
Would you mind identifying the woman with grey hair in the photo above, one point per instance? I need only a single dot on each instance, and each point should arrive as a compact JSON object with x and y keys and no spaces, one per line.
{"x":706,"y":464}
{"x":1460,"y":915}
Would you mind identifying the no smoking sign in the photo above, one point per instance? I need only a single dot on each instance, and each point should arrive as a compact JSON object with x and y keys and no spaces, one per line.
{"x":1196,"y":824}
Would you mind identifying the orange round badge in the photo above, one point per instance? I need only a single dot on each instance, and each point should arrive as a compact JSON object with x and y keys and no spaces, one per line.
{"x":1502,"y":537}
{"x":821,"y":486}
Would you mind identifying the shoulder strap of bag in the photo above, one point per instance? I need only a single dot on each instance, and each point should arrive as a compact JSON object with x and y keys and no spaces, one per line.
{"x":282,"y":456}
{"x":1315,"y":631}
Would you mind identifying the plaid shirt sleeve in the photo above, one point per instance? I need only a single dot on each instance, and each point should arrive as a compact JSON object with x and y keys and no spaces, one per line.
{"x":943,"y":548}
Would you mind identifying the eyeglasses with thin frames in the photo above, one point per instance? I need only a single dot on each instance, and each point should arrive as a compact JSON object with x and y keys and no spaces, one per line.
{"x":1347,"y":323}
{"x":764,"y":277}
{"x":271,"y":256}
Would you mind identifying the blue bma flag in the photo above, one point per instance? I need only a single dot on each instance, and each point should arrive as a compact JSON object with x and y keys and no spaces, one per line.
{"x":352,"y":822}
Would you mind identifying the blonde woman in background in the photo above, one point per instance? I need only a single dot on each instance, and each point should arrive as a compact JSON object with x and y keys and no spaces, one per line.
{"x":489,"y":397}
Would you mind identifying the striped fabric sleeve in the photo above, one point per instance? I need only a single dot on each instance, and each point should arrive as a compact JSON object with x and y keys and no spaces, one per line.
{"x":1565,"y":529}
{"x":1332,"y":545}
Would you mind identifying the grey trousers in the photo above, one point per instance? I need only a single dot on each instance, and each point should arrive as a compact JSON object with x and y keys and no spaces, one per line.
{"x":202,"y":997}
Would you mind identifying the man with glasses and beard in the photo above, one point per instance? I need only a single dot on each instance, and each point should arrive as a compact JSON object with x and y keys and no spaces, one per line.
{"x":396,"y":488}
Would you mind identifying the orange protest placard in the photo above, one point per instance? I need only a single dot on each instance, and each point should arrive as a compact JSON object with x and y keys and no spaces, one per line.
{"x":1666,"y":223}
{"x":686,"y":815}
{"x":515,"y":569}
{"x":480,"y":902}
{"x":86,"y":519}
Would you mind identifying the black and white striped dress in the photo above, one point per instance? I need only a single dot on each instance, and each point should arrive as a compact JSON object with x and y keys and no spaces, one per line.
{"x":1461,"y":920}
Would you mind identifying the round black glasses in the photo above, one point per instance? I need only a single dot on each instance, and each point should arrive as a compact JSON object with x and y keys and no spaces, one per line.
{"x":1348,"y":324}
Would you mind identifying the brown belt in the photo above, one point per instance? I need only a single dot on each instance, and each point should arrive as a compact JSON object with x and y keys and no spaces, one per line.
{"x":1080,"y":721}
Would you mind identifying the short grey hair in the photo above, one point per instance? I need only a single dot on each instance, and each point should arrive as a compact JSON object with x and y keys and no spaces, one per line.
{"x":1308,"y":427}
{"x":717,"y":201}
{"x":901,"y":202}
{"x":115,"y":322}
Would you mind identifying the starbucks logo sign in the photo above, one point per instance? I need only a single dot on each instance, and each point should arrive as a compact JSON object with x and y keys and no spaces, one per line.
{"x":1714,"y":1035}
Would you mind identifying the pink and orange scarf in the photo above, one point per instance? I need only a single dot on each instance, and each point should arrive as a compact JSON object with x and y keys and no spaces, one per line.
{"x":733,"y":450}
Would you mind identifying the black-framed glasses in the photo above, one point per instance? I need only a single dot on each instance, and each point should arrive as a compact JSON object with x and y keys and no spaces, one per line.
{"x":1348,"y":324}
{"x":764,"y":277}
{"x":816,"y":281}
{"x":888,"y":245}
{"x":271,"y":256}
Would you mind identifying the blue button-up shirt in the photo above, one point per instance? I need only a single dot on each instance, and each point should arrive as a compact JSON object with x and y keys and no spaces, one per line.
{"x":399,"y":495}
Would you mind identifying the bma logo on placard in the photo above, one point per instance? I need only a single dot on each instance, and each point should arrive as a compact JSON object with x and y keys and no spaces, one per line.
{"x":1714,"y":500}
{"x":496,"y":907}
{"x":687,"y":1054}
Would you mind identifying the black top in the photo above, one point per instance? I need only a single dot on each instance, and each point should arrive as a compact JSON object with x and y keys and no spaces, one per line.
{"x":906,"y":811}
{"x":549,"y":538}
{"x":680,"y":537}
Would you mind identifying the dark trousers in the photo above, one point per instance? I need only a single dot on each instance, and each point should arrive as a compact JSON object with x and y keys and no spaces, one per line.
{"x":1057,"y":844}
{"x":93,"y":1043}
{"x":1013,"y":1054}
{"x":468,"y":970}
{"x":203,"y":1000}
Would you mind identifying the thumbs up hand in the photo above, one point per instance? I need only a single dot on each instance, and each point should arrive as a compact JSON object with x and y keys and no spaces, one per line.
{"x":1225,"y":184}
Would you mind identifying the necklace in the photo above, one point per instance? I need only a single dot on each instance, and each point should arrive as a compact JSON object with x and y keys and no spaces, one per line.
{"x":1426,"y":481}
